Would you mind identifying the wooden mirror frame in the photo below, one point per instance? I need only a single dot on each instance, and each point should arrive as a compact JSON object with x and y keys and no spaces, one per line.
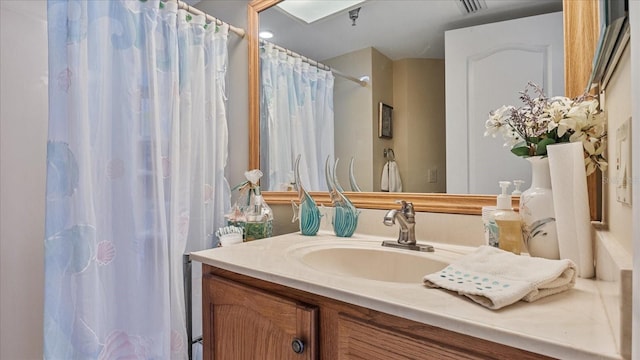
{"x":431,"y":202}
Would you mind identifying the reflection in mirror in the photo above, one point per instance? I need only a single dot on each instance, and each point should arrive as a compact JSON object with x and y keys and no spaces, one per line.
{"x":296,"y":118}
{"x":406,"y":67}
{"x":576,"y":38}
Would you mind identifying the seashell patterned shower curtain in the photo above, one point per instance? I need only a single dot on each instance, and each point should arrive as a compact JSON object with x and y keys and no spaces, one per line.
{"x":296,"y":118}
{"x":136,"y":155}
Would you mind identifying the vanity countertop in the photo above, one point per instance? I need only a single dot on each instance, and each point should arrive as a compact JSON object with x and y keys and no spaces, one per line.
{"x":569,"y":325}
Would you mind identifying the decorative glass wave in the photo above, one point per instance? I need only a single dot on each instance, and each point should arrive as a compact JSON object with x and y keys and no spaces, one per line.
{"x":307,"y":212}
{"x":352,"y":178}
{"x":345,"y":214}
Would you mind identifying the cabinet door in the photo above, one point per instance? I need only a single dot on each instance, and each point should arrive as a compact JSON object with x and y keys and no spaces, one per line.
{"x":241,"y":322}
{"x":363,"y":339}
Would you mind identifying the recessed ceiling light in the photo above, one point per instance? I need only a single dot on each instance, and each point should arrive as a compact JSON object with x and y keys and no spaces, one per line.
{"x":265,"y":34}
{"x":314,"y":10}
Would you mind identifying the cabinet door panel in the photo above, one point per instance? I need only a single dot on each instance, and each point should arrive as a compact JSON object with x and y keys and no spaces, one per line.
{"x":245,"y":323}
{"x":360,"y":339}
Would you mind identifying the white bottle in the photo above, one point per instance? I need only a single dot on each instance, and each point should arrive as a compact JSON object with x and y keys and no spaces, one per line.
{"x":517,"y":184}
{"x":508,"y":221}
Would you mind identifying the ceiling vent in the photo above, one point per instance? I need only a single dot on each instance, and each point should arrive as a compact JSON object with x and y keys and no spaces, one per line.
{"x":471,"y":6}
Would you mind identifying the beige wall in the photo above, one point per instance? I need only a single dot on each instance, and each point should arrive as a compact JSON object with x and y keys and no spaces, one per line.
{"x":353,"y":112}
{"x":23,"y":141}
{"x":418,"y":92}
{"x":617,"y":102}
{"x":415,"y":89}
{"x":23,"y":132}
{"x":382,"y":84}
{"x":634,"y":20}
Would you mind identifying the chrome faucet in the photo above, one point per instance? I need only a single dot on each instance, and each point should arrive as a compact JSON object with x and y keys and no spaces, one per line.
{"x":406,"y":218}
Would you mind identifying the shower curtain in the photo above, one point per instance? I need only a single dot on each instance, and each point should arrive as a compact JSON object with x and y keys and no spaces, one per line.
{"x":135,"y":173}
{"x":296,"y":117}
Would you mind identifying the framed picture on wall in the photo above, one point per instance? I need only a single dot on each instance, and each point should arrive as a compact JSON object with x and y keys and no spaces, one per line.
{"x":385,"y":121}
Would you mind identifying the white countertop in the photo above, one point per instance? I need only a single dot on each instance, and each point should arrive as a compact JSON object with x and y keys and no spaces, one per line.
{"x":570,"y":325}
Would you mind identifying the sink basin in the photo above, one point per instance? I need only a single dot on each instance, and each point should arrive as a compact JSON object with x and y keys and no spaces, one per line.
{"x":374,"y":264}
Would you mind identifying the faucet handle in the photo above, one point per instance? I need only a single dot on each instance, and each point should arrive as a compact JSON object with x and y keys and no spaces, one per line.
{"x":407,"y":206}
{"x":410,"y":207}
{"x":403,"y":202}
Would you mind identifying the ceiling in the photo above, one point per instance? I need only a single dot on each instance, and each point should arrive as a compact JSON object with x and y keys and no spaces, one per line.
{"x":397,"y":28}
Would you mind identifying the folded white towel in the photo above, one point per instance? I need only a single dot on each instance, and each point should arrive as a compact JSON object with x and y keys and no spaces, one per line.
{"x":390,"y":180}
{"x":384,"y":180}
{"x":496,"y":278}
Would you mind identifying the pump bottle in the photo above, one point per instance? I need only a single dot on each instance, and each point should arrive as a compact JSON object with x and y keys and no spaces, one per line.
{"x":508,"y":221}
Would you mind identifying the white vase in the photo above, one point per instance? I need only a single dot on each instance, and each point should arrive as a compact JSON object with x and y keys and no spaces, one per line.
{"x":571,"y":204}
{"x":538,"y":216}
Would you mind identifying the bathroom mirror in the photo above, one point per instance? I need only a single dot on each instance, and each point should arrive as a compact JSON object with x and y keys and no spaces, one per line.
{"x":450,"y":203}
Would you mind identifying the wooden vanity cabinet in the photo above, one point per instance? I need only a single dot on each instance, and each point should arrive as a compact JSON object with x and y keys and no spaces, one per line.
{"x":245,"y":323}
{"x":247,"y":318}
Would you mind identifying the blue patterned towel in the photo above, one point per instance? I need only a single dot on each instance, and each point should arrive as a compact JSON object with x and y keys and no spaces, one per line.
{"x":495,"y":278}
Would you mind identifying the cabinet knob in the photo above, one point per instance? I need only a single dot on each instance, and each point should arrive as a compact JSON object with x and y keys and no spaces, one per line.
{"x":297,"y":345}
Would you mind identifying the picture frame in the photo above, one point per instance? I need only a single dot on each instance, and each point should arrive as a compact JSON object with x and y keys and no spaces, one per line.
{"x":385,"y":121}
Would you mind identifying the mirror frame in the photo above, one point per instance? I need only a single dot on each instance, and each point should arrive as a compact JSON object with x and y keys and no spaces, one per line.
{"x":430,"y":202}
{"x":581,"y":23}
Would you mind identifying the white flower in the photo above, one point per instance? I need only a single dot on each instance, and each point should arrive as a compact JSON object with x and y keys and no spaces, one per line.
{"x":589,"y":146}
{"x":555,"y":115}
{"x":583,"y":114}
{"x":253,"y":176}
{"x":555,"y":111}
{"x":595,"y":158}
{"x":512,"y":140}
{"x":559,"y":119}
{"x":498,"y":121}
{"x":565,"y":125}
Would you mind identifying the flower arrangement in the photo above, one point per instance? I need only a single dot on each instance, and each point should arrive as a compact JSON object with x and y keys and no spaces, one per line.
{"x":251,"y":212}
{"x":543,"y":121}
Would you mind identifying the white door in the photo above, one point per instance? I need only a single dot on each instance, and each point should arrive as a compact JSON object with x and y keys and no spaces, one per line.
{"x":486,"y":66}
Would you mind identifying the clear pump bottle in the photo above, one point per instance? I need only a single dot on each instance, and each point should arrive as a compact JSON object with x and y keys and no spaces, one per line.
{"x":508,"y":221}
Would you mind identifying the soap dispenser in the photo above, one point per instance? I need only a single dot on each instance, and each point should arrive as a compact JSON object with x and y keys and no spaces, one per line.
{"x":508,"y":221}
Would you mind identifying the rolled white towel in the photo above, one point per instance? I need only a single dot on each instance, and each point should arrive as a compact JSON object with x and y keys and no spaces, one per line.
{"x":390,"y":180}
{"x":395,"y":183}
{"x":384,"y":179}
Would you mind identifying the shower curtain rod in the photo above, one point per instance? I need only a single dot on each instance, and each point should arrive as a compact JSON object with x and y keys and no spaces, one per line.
{"x":362,"y":81}
{"x":184,"y":6}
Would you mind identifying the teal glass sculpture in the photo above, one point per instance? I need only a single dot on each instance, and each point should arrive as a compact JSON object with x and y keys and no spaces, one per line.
{"x":352,"y":178}
{"x":345,"y":214}
{"x":307,"y":212}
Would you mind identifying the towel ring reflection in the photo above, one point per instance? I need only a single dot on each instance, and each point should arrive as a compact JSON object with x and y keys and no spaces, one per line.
{"x":389,"y":154}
